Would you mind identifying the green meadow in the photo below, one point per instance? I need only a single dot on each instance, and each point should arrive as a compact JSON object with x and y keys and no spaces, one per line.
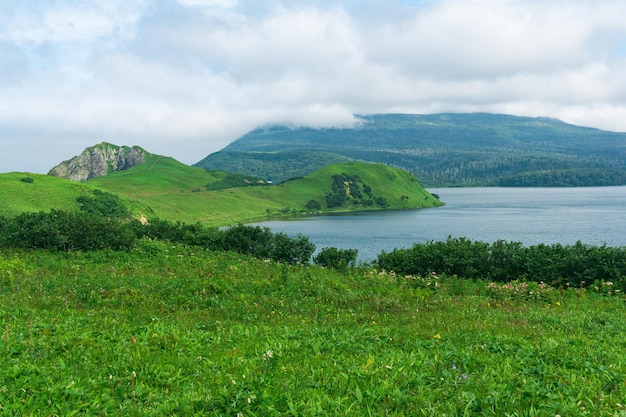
{"x":169,"y":330}
{"x":34,"y":192}
{"x":176,"y":327}
{"x":26,"y":192}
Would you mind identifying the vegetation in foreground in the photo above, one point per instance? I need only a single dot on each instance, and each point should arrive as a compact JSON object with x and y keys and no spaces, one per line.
{"x":165,"y":329}
{"x":187,"y":320}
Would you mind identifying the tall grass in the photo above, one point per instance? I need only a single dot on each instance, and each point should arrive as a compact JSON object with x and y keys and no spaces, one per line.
{"x":173,"y":330}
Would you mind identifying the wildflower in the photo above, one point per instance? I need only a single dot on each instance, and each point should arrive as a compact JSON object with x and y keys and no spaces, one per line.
{"x":558,"y":304}
{"x":437,"y":336}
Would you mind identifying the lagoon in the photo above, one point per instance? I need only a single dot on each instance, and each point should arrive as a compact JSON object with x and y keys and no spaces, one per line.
{"x":592,"y":215}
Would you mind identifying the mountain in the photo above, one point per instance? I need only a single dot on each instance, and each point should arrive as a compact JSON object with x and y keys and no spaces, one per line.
{"x":99,"y":160}
{"x":440,"y":149}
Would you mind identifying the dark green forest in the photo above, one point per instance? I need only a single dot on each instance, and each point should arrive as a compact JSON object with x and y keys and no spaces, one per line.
{"x":440,"y":150}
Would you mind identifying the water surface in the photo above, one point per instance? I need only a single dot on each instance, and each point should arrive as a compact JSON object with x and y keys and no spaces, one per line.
{"x":592,"y":215}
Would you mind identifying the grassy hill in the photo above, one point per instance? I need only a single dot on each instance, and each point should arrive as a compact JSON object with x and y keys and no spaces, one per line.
{"x":26,"y":192}
{"x":440,"y":149}
{"x":165,"y":188}
{"x":35,"y":192}
{"x":178,"y":192}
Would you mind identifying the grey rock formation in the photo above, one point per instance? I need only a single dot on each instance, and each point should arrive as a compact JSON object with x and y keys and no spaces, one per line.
{"x":99,"y":160}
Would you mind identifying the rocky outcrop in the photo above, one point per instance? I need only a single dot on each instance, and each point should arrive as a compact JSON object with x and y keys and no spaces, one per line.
{"x":98,"y":161}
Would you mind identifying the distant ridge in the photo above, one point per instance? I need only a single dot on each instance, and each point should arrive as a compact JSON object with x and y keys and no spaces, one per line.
{"x":99,"y":160}
{"x":448,"y":149}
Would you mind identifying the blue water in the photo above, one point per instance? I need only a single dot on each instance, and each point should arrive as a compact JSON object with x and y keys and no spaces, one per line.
{"x":594,"y":215}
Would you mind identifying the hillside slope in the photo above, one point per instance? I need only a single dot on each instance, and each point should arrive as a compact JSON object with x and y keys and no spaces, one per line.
{"x":181,"y":193}
{"x":25,"y":192}
{"x":440,"y":149}
{"x":165,"y":188}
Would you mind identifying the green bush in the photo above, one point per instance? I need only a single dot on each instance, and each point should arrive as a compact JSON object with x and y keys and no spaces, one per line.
{"x":332,"y":257}
{"x":103,"y":204}
{"x":313,"y":205}
{"x":261,"y":243}
{"x":255,"y":241}
{"x":576,"y":265}
{"x":60,"y":230}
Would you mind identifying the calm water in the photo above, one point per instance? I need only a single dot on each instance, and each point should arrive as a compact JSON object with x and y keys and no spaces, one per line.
{"x":594,"y":215}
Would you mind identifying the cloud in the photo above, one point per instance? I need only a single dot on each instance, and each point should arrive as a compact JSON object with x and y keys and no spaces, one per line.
{"x":186,"y":77}
{"x":480,"y":39}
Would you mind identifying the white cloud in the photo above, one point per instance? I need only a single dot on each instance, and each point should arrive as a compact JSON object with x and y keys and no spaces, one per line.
{"x":209,"y":3}
{"x":186,"y":77}
{"x":64,"y":21}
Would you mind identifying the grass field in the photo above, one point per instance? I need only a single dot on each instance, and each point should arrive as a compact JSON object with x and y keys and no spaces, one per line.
{"x":25,"y":192}
{"x":34,"y":192}
{"x":167,"y":330}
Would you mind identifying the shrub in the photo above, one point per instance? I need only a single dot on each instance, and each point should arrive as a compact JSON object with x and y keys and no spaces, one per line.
{"x":558,"y":265}
{"x":260,"y":242}
{"x":60,"y":230}
{"x":103,"y":204}
{"x":290,"y":250}
{"x":313,"y":205}
{"x":332,"y":257}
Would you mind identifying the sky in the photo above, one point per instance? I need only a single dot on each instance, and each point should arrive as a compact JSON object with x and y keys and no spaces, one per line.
{"x":184,"y":78}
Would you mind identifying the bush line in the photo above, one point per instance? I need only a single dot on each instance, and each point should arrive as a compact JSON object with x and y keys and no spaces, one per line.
{"x":577,"y":265}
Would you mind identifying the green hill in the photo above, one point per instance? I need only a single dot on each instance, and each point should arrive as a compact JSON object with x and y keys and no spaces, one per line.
{"x":26,"y":192}
{"x":165,"y":188}
{"x":178,"y":192}
{"x":35,"y":192}
{"x":441,"y":150}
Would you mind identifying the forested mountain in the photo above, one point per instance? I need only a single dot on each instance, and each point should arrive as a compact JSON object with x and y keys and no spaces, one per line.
{"x":441,"y":150}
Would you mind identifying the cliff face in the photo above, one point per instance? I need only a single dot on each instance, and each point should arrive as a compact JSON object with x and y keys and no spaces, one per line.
{"x":98,"y":161}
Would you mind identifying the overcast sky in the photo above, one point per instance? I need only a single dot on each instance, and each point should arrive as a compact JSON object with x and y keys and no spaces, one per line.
{"x":184,"y":78}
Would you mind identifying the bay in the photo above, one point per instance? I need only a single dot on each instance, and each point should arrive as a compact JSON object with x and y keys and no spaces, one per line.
{"x":592,"y":215}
